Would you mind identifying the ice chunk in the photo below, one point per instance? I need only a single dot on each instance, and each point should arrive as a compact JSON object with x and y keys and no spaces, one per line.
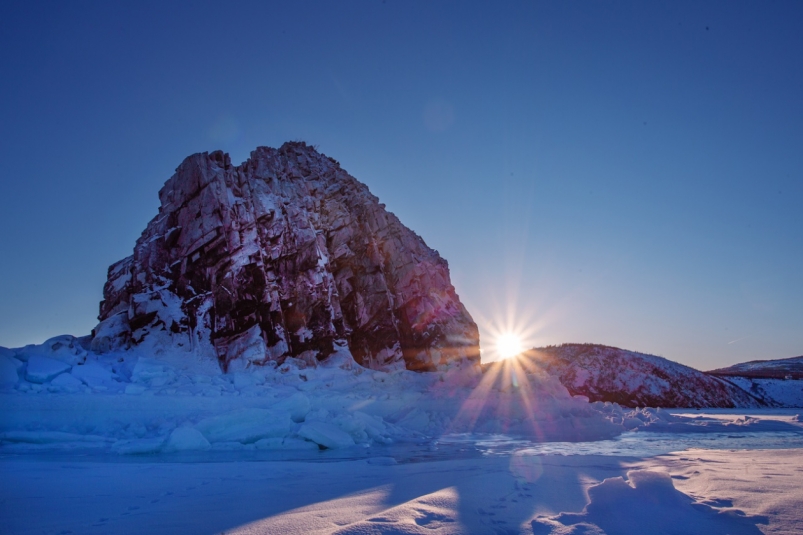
{"x":139,"y":447}
{"x":294,"y":444}
{"x":326,"y":434}
{"x":298,"y":405}
{"x":6,"y":352}
{"x":8,"y":371}
{"x":65,"y":383}
{"x":246,"y":425}
{"x":92,"y":374}
{"x":42,"y":369}
{"x":244,"y":380}
{"x":152,"y":372}
{"x":186,"y":439}
{"x":135,"y":389}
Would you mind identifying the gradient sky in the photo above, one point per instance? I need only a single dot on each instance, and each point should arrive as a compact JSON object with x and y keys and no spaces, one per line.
{"x":621,"y":173}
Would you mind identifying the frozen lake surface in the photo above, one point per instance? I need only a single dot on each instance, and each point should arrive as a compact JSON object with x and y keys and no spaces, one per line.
{"x":745,"y":479}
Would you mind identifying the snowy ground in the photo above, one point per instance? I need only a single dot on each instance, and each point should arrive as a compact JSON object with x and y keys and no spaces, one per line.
{"x":456,"y":484}
{"x":149,"y":443}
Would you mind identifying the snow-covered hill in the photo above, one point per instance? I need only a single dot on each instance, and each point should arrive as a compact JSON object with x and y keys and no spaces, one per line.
{"x":777,"y":382}
{"x":791,"y":368}
{"x":773,"y":392}
{"x":634,"y":379}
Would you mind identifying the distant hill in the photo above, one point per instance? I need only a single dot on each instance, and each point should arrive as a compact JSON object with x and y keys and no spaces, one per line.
{"x":765,"y":369}
{"x":633,"y":379}
{"x":777,"y":382}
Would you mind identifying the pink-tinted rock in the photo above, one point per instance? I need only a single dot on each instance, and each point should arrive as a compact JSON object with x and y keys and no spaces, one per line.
{"x":281,"y":257}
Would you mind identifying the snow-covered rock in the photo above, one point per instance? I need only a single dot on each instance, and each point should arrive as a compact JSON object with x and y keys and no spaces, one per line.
{"x":282,"y":256}
{"x":632,"y":379}
{"x":66,"y":348}
{"x":43,"y":369}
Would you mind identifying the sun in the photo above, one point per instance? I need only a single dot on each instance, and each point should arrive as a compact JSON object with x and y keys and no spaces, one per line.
{"x":509,"y":345}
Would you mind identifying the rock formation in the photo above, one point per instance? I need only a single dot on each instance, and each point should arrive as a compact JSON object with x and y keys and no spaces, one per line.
{"x":633,"y":379}
{"x":286,"y":255}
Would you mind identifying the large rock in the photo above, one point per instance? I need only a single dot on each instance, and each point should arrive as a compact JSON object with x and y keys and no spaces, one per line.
{"x":283,"y":256}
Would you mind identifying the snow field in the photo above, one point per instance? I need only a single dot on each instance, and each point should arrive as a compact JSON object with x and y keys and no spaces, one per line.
{"x":697,"y":491}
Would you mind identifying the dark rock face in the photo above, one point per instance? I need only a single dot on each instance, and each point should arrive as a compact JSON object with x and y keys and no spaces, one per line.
{"x":632,"y":379}
{"x":284,"y":255}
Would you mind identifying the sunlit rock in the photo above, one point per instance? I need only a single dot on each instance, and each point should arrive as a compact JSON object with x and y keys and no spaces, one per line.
{"x":286,"y":255}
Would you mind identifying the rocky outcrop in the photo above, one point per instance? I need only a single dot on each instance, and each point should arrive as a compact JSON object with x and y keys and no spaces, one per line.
{"x":633,"y":379}
{"x":286,"y":255}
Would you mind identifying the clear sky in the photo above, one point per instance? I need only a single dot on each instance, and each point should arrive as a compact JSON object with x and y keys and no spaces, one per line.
{"x":626,"y":173}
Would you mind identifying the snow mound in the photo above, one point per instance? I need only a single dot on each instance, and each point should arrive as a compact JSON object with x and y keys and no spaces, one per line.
{"x":429,"y":514}
{"x":647,"y":503}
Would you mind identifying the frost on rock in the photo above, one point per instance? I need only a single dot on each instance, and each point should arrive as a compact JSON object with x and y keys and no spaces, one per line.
{"x":282,"y":256}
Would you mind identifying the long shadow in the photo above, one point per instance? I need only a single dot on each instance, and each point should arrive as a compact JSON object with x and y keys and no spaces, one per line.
{"x":490,"y":494}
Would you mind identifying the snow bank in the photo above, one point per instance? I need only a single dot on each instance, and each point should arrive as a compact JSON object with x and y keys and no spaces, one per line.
{"x":646,"y":503}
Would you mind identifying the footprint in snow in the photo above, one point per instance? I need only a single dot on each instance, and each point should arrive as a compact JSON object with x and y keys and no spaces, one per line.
{"x":429,"y":517}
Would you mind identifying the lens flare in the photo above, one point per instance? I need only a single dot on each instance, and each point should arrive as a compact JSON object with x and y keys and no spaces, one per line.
{"x":509,"y":345}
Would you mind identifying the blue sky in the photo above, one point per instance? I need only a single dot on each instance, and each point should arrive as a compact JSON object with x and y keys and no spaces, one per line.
{"x":625,"y":173}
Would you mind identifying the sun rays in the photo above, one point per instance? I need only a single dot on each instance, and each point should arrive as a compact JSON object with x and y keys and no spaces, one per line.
{"x":509,"y":345}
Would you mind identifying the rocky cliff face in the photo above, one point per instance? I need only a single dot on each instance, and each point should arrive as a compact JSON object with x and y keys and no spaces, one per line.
{"x":286,"y":255}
